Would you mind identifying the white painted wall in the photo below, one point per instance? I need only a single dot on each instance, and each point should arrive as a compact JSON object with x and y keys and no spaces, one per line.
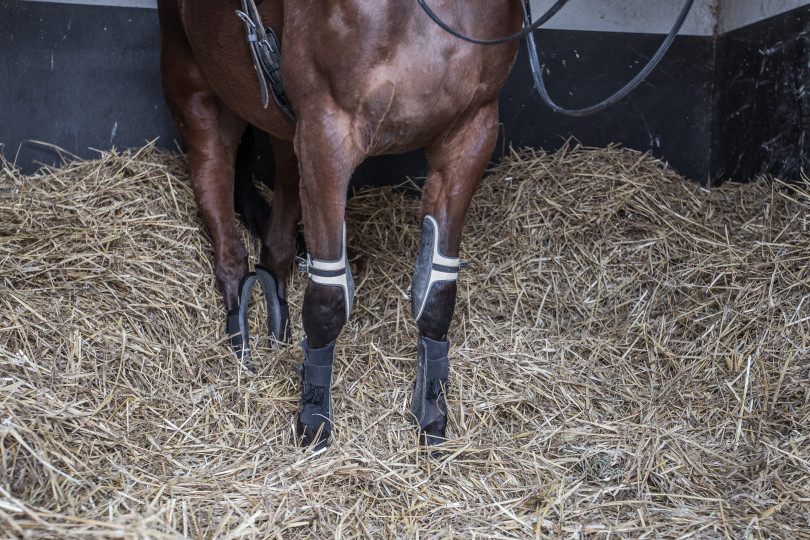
{"x":635,"y":16}
{"x":151,"y":4}
{"x":657,"y":16}
{"x":733,"y":14}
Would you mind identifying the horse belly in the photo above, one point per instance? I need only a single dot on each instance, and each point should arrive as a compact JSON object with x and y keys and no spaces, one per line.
{"x":217,"y":39}
{"x":405,"y":108}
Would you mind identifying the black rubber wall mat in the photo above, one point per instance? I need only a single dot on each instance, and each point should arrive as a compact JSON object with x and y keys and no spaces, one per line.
{"x":761,"y":109}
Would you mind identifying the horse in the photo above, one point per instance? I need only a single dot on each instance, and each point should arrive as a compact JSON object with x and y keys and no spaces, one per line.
{"x":360,"y":78}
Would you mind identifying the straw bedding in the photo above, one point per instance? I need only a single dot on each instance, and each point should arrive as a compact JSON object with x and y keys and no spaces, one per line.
{"x":629,"y":358}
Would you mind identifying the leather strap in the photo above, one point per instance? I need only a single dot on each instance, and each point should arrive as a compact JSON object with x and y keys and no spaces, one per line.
{"x":265,"y":48}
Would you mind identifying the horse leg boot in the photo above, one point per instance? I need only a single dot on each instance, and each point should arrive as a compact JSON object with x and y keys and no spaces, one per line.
{"x":432,"y":302}
{"x":457,"y":162}
{"x":279,"y":240}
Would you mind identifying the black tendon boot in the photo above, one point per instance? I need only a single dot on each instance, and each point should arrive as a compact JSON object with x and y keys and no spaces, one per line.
{"x":429,"y":405}
{"x":315,"y":418}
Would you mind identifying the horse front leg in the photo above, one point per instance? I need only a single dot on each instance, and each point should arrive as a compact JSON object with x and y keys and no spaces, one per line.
{"x":326,"y":163}
{"x":457,"y":162}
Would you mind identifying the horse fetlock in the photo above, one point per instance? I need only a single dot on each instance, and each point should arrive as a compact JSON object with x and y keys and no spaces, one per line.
{"x":429,"y":405}
{"x":278,"y":259}
{"x":315,"y":417}
{"x":228,"y":272}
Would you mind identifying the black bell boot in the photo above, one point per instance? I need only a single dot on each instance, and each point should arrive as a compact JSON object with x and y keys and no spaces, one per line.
{"x":429,"y":405}
{"x":236,"y":324}
{"x":315,"y":418}
{"x":278,"y":312}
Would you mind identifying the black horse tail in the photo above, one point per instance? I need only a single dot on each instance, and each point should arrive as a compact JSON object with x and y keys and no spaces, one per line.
{"x":247,"y":200}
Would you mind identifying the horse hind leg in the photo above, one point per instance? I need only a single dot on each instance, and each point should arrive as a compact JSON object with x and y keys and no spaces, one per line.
{"x":457,"y":163}
{"x":211,"y":134}
{"x":279,"y":240}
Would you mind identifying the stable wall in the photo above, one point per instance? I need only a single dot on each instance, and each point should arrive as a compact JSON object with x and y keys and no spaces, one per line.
{"x":728,"y":101}
{"x":761,"y":104}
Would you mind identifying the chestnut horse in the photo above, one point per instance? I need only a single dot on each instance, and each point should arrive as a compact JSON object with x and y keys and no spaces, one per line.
{"x":363,"y":78}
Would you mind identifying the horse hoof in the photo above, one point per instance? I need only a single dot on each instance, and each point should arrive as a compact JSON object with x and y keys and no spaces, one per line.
{"x":434,"y":433}
{"x":315,"y":437}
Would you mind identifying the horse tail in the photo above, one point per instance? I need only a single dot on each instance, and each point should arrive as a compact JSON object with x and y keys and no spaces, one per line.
{"x":247,"y":200}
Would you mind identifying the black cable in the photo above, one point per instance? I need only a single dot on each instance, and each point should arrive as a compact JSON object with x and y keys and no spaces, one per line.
{"x":525,"y":32}
{"x":537,"y":70}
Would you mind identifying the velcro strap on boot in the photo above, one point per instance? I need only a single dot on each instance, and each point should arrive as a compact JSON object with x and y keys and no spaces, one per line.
{"x":318,"y":375}
{"x":318,"y":363}
{"x":437,"y":365}
{"x":438,"y":370}
{"x":432,"y":373}
{"x":316,"y":397}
